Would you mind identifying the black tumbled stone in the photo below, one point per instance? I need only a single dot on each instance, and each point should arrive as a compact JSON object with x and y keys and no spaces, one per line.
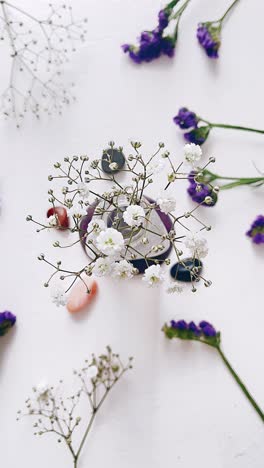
{"x":112,"y":155}
{"x":181,"y":272}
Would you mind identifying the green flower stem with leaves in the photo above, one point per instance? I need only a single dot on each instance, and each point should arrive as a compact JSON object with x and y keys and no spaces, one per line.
{"x":209,"y":177}
{"x":215,"y":342}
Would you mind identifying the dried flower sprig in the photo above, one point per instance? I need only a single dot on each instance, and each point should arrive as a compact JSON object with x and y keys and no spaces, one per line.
{"x":207,"y":334}
{"x":209,"y":34}
{"x":121,"y":228}
{"x":256,"y":231}
{"x":200,"y":127}
{"x":55,"y":414}
{"x":154,"y":44}
{"x":39,"y":48}
{"x":202,"y":185}
{"x":7,"y":321}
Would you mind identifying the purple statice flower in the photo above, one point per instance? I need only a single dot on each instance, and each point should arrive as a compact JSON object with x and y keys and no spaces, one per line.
{"x":7,"y":321}
{"x":199,"y":191}
{"x":163,"y":17}
{"x":185,"y":118}
{"x":209,"y":38}
{"x":207,"y":329}
{"x":256,"y":231}
{"x":198,"y":135}
{"x":180,"y":325}
{"x":153,"y":44}
{"x":194,"y":328}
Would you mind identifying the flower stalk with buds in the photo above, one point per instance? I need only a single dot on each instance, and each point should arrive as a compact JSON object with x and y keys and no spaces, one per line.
{"x":209,"y":33}
{"x":38,"y":49}
{"x":60,"y":416}
{"x":122,"y":230}
{"x":204,"y":185}
{"x":153,"y":44}
{"x":199,"y":128}
{"x":206,"y":333}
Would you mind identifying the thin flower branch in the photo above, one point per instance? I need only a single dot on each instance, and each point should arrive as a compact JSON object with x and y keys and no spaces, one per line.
{"x":38,"y":50}
{"x":60,"y":415}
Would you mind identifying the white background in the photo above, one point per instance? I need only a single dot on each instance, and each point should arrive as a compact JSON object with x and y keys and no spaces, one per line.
{"x":178,"y":406}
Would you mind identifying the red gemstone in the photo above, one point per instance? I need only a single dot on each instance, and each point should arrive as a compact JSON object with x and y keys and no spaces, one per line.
{"x":62,"y":216}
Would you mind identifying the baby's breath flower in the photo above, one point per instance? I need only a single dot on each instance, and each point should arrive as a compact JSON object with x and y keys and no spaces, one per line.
{"x":192,"y":153}
{"x":123,"y":270}
{"x":134,"y":215}
{"x":110,"y":241}
{"x":58,"y":296}
{"x":153,"y":275}
{"x":166,"y":203}
{"x":102,"y":266}
{"x":53,"y":221}
{"x":197,"y":245}
{"x":92,"y":372}
{"x":83,"y":190}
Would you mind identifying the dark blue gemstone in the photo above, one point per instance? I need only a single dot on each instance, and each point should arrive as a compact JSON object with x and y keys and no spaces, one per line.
{"x":112,"y":156}
{"x":184,"y":272}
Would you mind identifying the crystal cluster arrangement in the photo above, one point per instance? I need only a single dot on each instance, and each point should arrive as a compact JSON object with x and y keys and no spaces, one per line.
{"x":62,"y":416}
{"x":121,"y":228}
{"x":38,"y":50}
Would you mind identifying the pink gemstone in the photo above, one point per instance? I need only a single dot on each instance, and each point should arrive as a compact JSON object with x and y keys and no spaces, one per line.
{"x":79,"y":298}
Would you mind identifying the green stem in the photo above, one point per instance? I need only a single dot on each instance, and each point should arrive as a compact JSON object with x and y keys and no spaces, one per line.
{"x":235,"y":127}
{"x":171,"y":5}
{"x":177,"y":16}
{"x":241,"y":385}
{"x":237,"y":182}
{"x":228,"y":10}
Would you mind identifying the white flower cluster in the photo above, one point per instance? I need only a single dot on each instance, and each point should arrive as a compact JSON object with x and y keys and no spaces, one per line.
{"x":120,"y":226}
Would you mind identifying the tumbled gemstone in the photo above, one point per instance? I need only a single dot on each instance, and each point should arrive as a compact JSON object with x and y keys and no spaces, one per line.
{"x":185,"y":272}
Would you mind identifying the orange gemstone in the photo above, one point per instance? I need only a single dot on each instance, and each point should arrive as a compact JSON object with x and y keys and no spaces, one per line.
{"x":78,"y":298}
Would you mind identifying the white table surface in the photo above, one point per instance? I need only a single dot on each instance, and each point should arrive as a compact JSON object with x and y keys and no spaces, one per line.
{"x":179,"y":406}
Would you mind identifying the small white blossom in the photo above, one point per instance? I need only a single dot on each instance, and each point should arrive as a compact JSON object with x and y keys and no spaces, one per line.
{"x":156,"y":166}
{"x":58,"y":296}
{"x":102,"y":267}
{"x":192,"y":153}
{"x":42,"y":390}
{"x":113,"y":166}
{"x":197,"y":245}
{"x":134,"y":215}
{"x":92,"y":372}
{"x":174,"y":287}
{"x":123,"y":269}
{"x":110,"y":241}
{"x":53,"y":220}
{"x":166,"y":204}
{"x":95,"y":227}
{"x":153,"y":275}
{"x":84,"y":192}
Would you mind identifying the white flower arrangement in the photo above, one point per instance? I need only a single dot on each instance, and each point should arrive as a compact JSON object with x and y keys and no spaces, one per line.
{"x":123,"y":231}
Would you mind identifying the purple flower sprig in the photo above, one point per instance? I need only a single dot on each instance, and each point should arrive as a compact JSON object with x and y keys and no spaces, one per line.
{"x":256,"y":231}
{"x":199,"y":128}
{"x":153,"y":44}
{"x":202,"y":190}
{"x":7,"y":321}
{"x":207,"y":334}
{"x":209,"y":34}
